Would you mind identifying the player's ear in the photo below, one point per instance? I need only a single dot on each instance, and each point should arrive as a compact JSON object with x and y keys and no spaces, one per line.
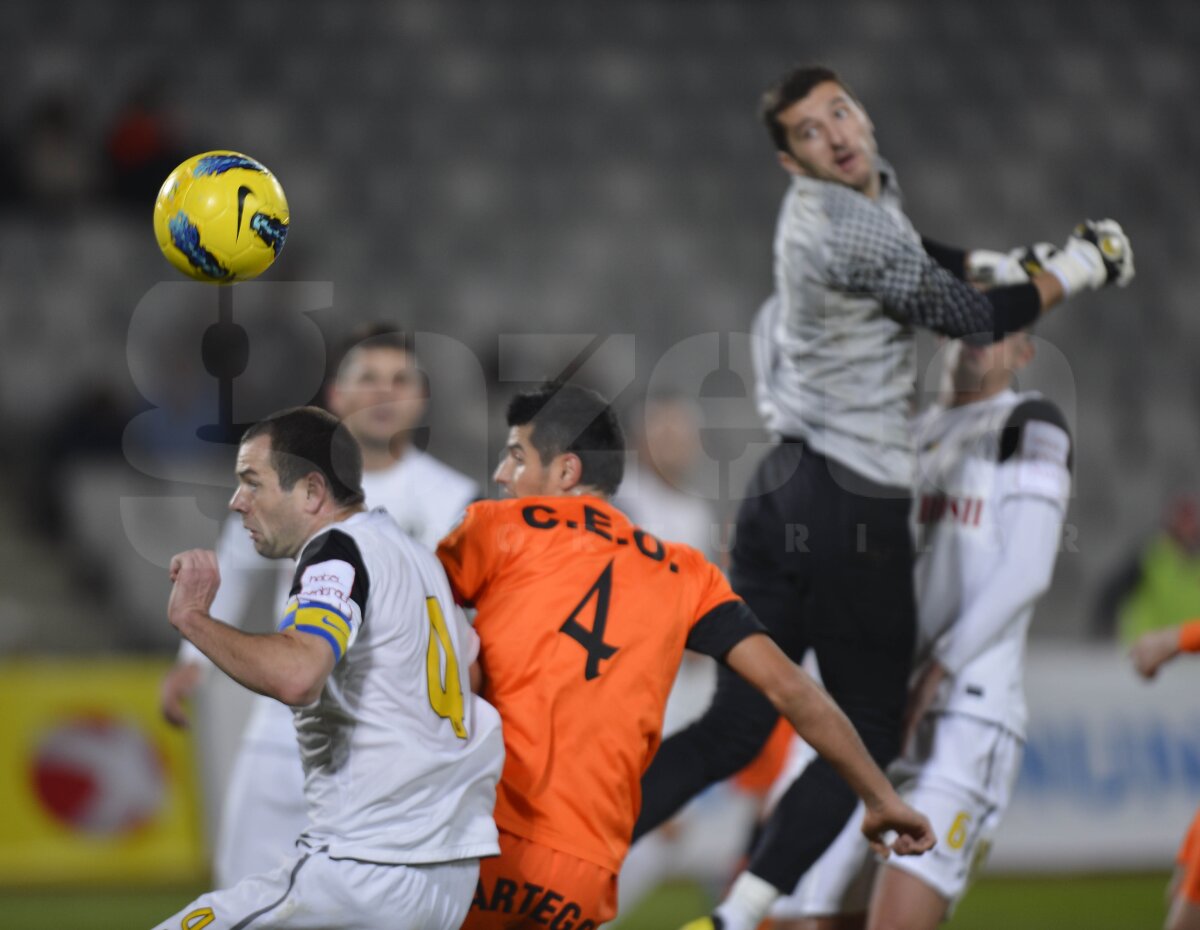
{"x":866,"y":118}
{"x":789,"y":164}
{"x":316,"y":491}
{"x":569,"y":471}
{"x":332,"y":395}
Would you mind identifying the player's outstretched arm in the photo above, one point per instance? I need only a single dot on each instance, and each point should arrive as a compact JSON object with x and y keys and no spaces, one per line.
{"x":986,"y":269}
{"x":1096,"y":254}
{"x":868,"y":254}
{"x":289,"y":666}
{"x":1151,"y":651}
{"x":821,"y":723}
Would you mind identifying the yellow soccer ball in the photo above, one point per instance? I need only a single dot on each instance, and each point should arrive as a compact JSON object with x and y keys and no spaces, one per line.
{"x":221,"y":217}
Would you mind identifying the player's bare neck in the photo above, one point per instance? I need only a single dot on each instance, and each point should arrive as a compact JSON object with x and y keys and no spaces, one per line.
{"x":381,"y":458}
{"x":586,"y":490}
{"x":985,"y":392}
{"x":874,"y":186}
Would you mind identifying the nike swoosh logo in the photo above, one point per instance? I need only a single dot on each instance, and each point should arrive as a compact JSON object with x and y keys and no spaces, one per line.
{"x":242,"y":192}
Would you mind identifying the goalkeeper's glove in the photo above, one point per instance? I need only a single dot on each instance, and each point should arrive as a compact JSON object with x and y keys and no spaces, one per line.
{"x":987,"y":269}
{"x":1096,"y":254}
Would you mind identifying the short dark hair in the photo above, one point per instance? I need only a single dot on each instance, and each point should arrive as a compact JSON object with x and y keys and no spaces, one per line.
{"x":378,"y":334}
{"x":308,"y":439}
{"x":795,"y":85}
{"x":570,"y":418}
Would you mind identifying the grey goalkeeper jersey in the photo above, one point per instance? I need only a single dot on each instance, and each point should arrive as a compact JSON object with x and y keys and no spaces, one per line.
{"x":835,"y":353}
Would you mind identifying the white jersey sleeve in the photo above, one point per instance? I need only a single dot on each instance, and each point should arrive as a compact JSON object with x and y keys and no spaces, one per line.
{"x":329,"y":593}
{"x":1032,"y":528}
{"x":1033,"y":481}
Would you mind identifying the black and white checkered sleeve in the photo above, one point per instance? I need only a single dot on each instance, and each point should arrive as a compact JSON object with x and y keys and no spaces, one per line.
{"x":871,"y":254}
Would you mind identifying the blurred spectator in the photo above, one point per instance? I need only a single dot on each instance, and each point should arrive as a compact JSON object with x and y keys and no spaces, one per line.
{"x":1160,"y":585}
{"x":55,"y":166}
{"x":666,"y":444}
{"x":89,"y":428}
{"x":141,"y":147}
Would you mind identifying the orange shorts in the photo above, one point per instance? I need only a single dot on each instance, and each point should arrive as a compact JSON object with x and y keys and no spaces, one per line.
{"x":1188,"y":861}
{"x":529,"y":885}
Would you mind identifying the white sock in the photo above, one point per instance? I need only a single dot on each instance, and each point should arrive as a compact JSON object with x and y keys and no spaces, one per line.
{"x":747,"y":903}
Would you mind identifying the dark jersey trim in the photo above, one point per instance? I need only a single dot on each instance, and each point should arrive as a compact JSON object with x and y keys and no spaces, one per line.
{"x":1040,"y":410}
{"x":341,"y":546}
{"x":954,"y":260}
{"x":722,"y":628}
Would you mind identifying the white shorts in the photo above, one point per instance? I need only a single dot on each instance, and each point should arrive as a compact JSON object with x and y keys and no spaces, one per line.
{"x":959,"y":772}
{"x":314,"y":892}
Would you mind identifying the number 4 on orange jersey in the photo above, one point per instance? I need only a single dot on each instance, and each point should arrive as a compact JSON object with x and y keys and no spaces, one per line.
{"x":593,"y":640}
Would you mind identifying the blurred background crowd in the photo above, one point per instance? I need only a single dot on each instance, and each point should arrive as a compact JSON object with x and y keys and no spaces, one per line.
{"x":542,"y":188}
{"x":490,"y":172}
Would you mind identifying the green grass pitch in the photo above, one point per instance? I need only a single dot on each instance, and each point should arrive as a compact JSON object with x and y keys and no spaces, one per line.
{"x":1100,"y":902}
{"x":1107,"y":902}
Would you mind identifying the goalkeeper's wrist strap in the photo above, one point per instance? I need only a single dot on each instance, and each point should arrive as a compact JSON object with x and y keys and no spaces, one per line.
{"x":1069,"y":288}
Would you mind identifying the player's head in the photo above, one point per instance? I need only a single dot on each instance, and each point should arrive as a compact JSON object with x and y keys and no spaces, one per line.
{"x":295,"y":469}
{"x":988,"y":368}
{"x":562,"y":439}
{"x":377,"y":390}
{"x":666,"y":429}
{"x":820,"y":130}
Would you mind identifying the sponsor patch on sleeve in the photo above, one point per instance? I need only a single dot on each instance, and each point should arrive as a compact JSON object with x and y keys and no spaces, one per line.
{"x":1045,"y":442}
{"x":324,"y":607}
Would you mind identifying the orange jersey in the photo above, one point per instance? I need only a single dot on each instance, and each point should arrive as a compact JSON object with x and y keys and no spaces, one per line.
{"x":582,"y":620}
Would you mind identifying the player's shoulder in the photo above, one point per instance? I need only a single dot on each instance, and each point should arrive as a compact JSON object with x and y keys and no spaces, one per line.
{"x":335,"y":553}
{"x":494,"y":509}
{"x":504,"y":516}
{"x":836,"y":201}
{"x":338,"y":542}
{"x":684,"y":561}
{"x":1036,"y":428}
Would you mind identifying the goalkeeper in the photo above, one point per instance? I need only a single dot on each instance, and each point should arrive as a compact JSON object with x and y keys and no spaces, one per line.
{"x":822,"y":552}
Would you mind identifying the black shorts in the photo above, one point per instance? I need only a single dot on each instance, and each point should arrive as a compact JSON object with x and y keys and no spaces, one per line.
{"x":824,"y":557}
{"x":825,"y":560}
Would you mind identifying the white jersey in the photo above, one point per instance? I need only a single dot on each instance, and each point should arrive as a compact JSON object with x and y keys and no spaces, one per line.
{"x":423,"y":495}
{"x":991,"y":494}
{"x":400,"y":760}
{"x":834,"y":352}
